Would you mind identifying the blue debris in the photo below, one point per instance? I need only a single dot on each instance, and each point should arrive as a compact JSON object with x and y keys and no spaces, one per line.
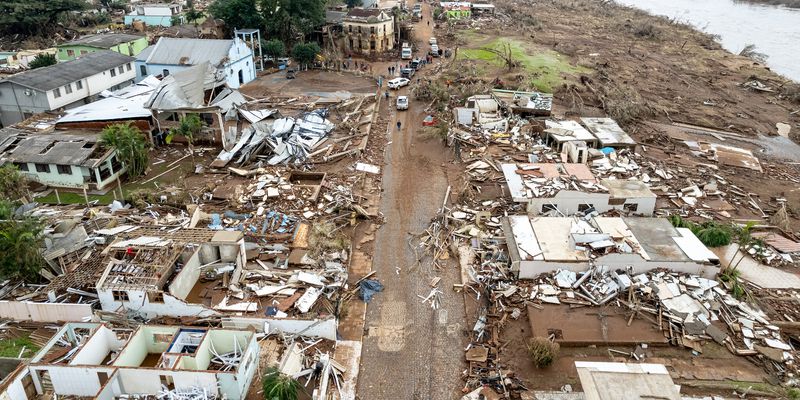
{"x":368,"y":289}
{"x":216,"y":222}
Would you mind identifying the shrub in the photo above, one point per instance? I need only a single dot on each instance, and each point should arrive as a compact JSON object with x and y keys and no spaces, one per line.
{"x":278,"y":386}
{"x":42,"y":60}
{"x":714,"y":235}
{"x":542,"y":351}
{"x":647,"y":30}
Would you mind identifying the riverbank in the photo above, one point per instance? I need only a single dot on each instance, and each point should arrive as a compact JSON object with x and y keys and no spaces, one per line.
{"x":785,"y":3}
{"x":641,"y":66}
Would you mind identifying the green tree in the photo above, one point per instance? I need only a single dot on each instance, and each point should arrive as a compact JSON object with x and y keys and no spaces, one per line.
{"x":354,"y":3}
{"x":237,"y":14}
{"x":21,"y":242}
{"x":13,"y":184}
{"x":34,"y":17}
{"x":274,"y":48}
{"x":132,"y":147}
{"x":189,"y":127}
{"x":305,"y":53}
{"x":192,"y":15}
{"x":43,"y":60}
{"x":292,"y":19}
{"x":278,"y":386}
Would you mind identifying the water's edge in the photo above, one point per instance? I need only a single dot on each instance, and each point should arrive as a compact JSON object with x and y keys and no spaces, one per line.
{"x":774,"y":30}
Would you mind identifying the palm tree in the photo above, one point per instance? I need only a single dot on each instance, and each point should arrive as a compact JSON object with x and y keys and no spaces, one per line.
{"x":20,"y":245}
{"x":132,"y":148}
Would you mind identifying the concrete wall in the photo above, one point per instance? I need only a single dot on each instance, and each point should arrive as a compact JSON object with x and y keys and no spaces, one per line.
{"x":71,"y":380}
{"x":15,"y":389}
{"x":532,"y":269}
{"x":383,"y":37}
{"x":15,"y":105}
{"x":150,"y":20}
{"x":44,"y":312}
{"x":138,"y":302}
{"x":130,"y":49}
{"x":187,"y":278}
{"x":79,"y":177}
{"x":321,"y":328}
{"x":95,"y":350}
{"x":568,"y":201}
{"x":147,"y":381}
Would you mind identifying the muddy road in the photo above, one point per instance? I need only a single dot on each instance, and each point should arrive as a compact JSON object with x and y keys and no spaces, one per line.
{"x":410,"y":350}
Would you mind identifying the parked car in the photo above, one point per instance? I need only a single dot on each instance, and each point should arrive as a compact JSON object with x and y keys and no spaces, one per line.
{"x":402,"y":102}
{"x":397,"y":83}
{"x":406,"y":72}
{"x":432,"y":40}
{"x":416,"y":64}
{"x":435,"y":50}
{"x":290,"y":73}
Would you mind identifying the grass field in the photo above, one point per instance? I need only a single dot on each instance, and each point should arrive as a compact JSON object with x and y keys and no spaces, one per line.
{"x":13,"y":347}
{"x":546,"y":67}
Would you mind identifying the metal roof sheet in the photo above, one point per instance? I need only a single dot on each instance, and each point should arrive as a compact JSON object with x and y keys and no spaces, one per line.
{"x":62,"y":149}
{"x":182,"y":51}
{"x":103,"y":40}
{"x":48,"y":78}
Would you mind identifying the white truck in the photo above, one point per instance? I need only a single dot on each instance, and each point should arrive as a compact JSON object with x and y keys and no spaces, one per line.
{"x":406,"y":53}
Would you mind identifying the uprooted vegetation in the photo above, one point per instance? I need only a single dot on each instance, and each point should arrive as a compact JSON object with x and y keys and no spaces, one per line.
{"x":325,"y":237}
{"x":671,"y":71}
{"x":542,"y":351}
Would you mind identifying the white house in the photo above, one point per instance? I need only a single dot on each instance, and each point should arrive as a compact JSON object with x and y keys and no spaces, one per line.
{"x":61,"y":159}
{"x":64,"y":85}
{"x":92,"y":360}
{"x":154,"y":13}
{"x":231,"y":57}
{"x":538,"y":245}
{"x":563,"y":189}
{"x":142,"y":272}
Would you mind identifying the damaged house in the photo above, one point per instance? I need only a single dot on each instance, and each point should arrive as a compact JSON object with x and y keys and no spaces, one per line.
{"x":539,"y":245}
{"x":153,"y":273}
{"x":483,"y":111}
{"x":231,"y":59}
{"x":368,"y":30}
{"x":558,"y":189}
{"x":608,"y":133}
{"x":61,"y":159}
{"x":92,"y":360}
{"x":196,"y":90}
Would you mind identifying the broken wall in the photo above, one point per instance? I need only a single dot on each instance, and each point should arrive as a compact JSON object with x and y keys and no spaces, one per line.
{"x":15,"y":390}
{"x":185,"y":280}
{"x":44,"y":312}
{"x":148,"y":381}
{"x":532,"y":269}
{"x":97,"y":347}
{"x":139,"y":303}
{"x":324,"y":328}
{"x":69,"y":379}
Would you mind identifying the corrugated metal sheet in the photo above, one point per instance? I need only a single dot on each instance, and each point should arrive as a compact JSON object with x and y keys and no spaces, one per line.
{"x":779,"y":242}
{"x":184,"y":51}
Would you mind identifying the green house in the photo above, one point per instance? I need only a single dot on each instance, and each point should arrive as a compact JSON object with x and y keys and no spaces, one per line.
{"x":123,"y":43}
{"x":456,"y":9}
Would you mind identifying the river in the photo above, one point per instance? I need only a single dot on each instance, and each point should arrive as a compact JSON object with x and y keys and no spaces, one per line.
{"x":774,"y":30}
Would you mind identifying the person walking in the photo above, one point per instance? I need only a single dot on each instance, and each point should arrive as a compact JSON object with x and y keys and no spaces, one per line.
{"x":398,"y":125}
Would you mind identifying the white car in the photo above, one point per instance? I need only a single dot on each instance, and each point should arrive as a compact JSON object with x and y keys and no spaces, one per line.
{"x":397,"y":83}
{"x":432,"y":40}
{"x":402,"y":102}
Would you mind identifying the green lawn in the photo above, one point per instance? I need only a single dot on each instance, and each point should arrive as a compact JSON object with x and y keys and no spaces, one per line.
{"x":546,"y":67}
{"x":12,"y":347}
